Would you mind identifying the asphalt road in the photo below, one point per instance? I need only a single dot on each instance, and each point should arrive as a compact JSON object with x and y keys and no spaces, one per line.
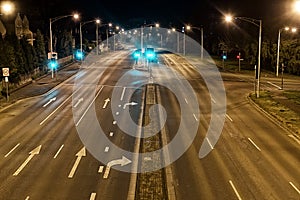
{"x":42,"y":156}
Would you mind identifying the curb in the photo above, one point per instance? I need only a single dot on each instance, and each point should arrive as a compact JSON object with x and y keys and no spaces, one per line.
{"x":272,"y":118}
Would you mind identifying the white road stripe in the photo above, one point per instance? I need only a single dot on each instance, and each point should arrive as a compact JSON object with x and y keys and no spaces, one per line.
{"x":229,"y":117}
{"x":235,"y":190}
{"x":123,"y":93}
{"x":186,"y":101}
{"x":100,"y":170}
{"x":58,"y":151}
{"x":195,"y":117}
{"x":274,"y":85}
{"x":12,"y":150}
{"x":254,"y":144}
{"x":111,"y":134}
{"x":93,"y":196}
{"x":213,"y":100}
{"x":209,"y":143}
{"x":106,"y":149}
{"x":27,"y":198}
{"x":297,"y":190}
{"x":115,"y":122}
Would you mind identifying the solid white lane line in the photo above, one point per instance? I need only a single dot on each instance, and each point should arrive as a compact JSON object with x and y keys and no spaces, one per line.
{"x":27,"y":198}
{"x":254,"y":144}
{"x":123,"y":93}
{"x":89,"y":106}
{"x":100,"y":170}
{"x":195,"y":117}
{"x":297,"y":190}
{"x":12,"y":150}
{"x":58,"y":151}
{"x":106,"y":149}
{"x":235,"y":190}
{"x":93,"y":196}
{"x":229,"y":117}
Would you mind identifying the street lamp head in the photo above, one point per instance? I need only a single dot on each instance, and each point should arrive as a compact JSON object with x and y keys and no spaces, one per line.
{"x":76,"y":16}
{"x":98,"y":21}
{"x":188,"y":27}
{"x":228,"y":18}
{"x":157,"y":25}
{"x":110,"y":24}
{"x":117,"y":27}
{"x":297,"y":6}
{"x":294,"y":30}
{"x":287,"y":28}
{"x":7,"y":7}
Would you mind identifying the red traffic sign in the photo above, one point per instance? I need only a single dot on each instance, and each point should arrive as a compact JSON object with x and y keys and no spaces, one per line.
{"x":5,"y":71}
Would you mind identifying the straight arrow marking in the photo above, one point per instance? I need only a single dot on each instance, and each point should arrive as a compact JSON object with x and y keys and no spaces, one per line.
{"x":79,"y":155}
{"x":53,"y":99}
{"x":32,"y":153}
{"x":78,"y":102}
{"x":106,"y":102}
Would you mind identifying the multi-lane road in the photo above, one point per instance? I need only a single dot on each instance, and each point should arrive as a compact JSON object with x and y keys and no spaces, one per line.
{"x":74,"y":142}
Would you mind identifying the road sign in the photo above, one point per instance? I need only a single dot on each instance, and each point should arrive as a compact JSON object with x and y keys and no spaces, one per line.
{"x":5,"y":71}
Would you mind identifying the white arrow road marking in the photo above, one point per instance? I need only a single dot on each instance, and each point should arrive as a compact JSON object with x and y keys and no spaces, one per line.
{"x":129,"y":104}
{"x":79,"y":155}
{"x":93,"y":196}
{"x":59,"y":150}
{"x":123,"y":161}
{"x":53,"y":99}
{"x":12,"y":150}
{"x":32,"y":153}
{"x":106,"y":101}
{"x":78,"y":102}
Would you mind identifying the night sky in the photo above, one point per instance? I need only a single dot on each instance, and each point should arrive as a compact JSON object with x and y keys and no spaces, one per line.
{"x":131,"y":14}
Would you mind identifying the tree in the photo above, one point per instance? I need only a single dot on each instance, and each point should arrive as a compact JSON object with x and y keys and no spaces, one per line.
{"x":40,"y":51}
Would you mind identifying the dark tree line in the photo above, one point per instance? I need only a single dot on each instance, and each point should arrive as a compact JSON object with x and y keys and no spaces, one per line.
{"x":25,"y":60}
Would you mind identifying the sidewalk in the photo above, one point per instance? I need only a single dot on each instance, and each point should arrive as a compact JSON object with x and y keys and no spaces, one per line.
{"x":41,"y":85}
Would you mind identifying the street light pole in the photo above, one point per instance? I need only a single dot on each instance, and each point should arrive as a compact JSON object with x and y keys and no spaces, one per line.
{"x":201,"y":36}
{"x":52,"y":20}
{"x":257,"y":23}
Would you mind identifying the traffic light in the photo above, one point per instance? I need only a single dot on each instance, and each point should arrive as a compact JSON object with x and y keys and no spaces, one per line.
{"x":224,"y":57}
{"x":238,"y":56}
{"x":79,"y":55}
{"x":53,"y":63}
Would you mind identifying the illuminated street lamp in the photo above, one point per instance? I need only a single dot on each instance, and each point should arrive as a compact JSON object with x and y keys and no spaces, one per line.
{"x":296,"y":6}
{"x":293,"y":30}
{"x":52,"y":20}
{"x":201,"y":30}
{"x":7,"y":7}
{"x":258,"y":23}
{"x":97,"y":21}
{"x":142,"y":28}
